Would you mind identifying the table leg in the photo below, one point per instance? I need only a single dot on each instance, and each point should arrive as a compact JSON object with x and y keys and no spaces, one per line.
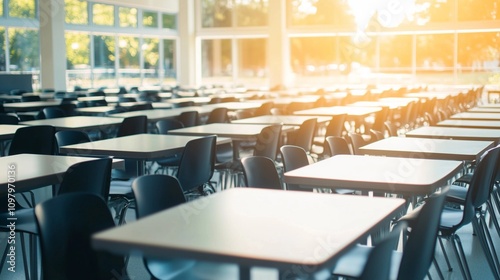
{"x":244,"y":272}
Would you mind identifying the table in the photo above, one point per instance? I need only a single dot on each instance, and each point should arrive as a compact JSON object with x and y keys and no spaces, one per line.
{"x":234,"y":106}
{"x":441,"y":132}
{"x":470,"y":124}
{"x":155,"y":115}
{"x":243,"y":132}
{"x":476,"y":116}
{"x":351,"y":111}
{"x":295,"y":232}
{"x":464,"y":150}
{"x":7,"y":131}
{"x":30,"y":106}
{"x":95,"y":110}
{"x":78,"y":123}
{"x":405,"y":176}
{"x":281,"y":119}
{"x":481,"y":109}
{"x":139,"y":147}
{"x":34,"y":171}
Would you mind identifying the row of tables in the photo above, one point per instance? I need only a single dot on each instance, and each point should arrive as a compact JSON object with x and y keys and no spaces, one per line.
{"x":238,"y":225}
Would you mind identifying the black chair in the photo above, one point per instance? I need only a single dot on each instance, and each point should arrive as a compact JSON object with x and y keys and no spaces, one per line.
{"x":357,"y":141}
{"x":260,"y":172}
{"x":294,"y":157}
{"x":471,"y":212}
{"x":133,"y":125}
{"x":70,"y":137}
{"x":335,"y":128}
{"x":189,"y":118}
{"x":304,"y":136}
{"x":163,"y":126}
{"x":154,"y":193}
{"x":196,"y":167}
{"x":66,"y":224}
{"x":218,"y":115}
{"x":33,"y":140}
{"x":53,"y":112}
{"x":183,"y":104}
{"x":9,"y":119}
{"x":337,"y":146}
{"x":418,"y":253}
{"x":139,"y":107}
{"x":376,"y":135}
{"x":264,"y":109}
{"x":30,"y":98}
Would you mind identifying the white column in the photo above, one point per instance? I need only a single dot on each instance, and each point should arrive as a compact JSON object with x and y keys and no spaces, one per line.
{"x":186,"y":66}
{"x":278,"y":46}
{"x":52,"y":45}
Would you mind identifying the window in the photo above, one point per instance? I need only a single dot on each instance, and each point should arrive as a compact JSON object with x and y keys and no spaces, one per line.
{"x":252,"y":61}
{"x":478,"y":56}
{"x":394,"y":57}
{"x":169,"y":21}
{"x":314,"y":56}
{"x":478,"y":10}
{"x":170,"y":63}
{"x":321,"y":12}
{"x":216,"y":59}
{"x":128,"y":17}
{"x":251,"y":13}
{"x":435,"y":57}
{"x":215,"y":13}
{"x":76,"y":12}
{"x":151,"y":66}
{"x":2,"y":49}
{"x":24,"y":50}
{"x":129,"y":70}
{"x":104,"y":61}
{"x":150,"y":19}
{"x":103,"y":14}
{"x":78,"y":59}
{"x":22,"y":8}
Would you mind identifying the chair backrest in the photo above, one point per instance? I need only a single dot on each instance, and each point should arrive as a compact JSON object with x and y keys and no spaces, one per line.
{"x":421,"y":244}
{"x":336,"y":145}
{"x":336,"y":125}
{"x":66,"y":224}
{"x":357,"y":142}
{"x":380,"y":118}
{"x":53,"y":112}
{"x":183,"y":104}
{"x":392,"y":130}
{"x":376,"y":135}
{"x":133,"y":125}
{"x":260,"y":172}
{"x":267,"y":142}
{"x":483,"y":178}
{"x":243,"y":114}
{"x":264,"y":109}
{"x":294,"y":157}
{"x":378,"y":264}
{"x":30,"y":98}
{"x":34,"y":140}
{"x":218,"y":115}
{"x":189,"y":118}
{"x":163,"y":126}
{"x":92,"y":176}
{"x":305,"y":135}
{"x":70,"y":137}
{"x":154,"y":193}
{"x":9,"y":119}
{"x":197,"y":163}
{"x":139,"y":107}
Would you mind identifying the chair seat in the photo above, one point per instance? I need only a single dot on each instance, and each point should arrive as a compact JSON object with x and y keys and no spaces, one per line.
{"x":457,"y":194}
{"x":464,"y":179}
{"x":121,"y":188}
{"x":169,"y":269}
{"x":451,"y":217}
{"x":223,"y":271}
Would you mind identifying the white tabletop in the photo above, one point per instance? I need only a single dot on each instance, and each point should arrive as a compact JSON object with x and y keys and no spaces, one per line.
{"x":78,"y":122}
{"x":95,"y":110}
{"x":30,"y":106}
{"x":230,"y":130}
{"x":484,"y":110}
{"x":34,"y":171}
{"x":159,"y":114}
{"x":139,"y":146}
{"x":476,"y":116}
{"x":234,"y":106}
{"x":255,"y":227}
{"x":282,"y":119}
{"x":458,"y":133}
{"x":465,"y":150}
{"x":470,"y":124}
{"x":357,"y":111}
{"x":408,"y":176}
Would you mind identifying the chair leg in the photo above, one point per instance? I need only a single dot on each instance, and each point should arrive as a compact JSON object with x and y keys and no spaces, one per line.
{"x":438,"y":269}
{"x":25,"y":257}
{"x":488,"y":247}
{"x":459,"y":252}
{"x":445,"y":254}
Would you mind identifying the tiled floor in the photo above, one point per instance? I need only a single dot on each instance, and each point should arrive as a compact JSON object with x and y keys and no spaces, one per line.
{"x":478,"y":265}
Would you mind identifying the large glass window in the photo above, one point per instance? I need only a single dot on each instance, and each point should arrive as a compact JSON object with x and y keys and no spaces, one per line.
{"x":24,"y":52}
{"x":321,"y":12}
{"x":478,"y":56}
{"x":216,"y":60}
{"x":104,"y":61}
{"x":103,"y":14}
{"x":150,"y":19}
{"x":252,"y":62}
{"x":76,"y":11}
{"x":314,"y":56}
{"x":396,"y":53}
{"x":169,"y":21}
{"x":151,"y":66}
{"x":252,"y":13}
{"x":78,"y":59}
{"x":170,"y":62}
{"x":435,"y":58}
{"x":478,"y":10}
{"x":128,"y":17}
{"x":216,"y":13}
{"x":129,"y":71}
{"x":22,"y":8}
{"x":2,"y":50}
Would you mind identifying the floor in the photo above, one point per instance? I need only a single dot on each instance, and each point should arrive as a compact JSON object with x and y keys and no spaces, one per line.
{"x":478,"y":265}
